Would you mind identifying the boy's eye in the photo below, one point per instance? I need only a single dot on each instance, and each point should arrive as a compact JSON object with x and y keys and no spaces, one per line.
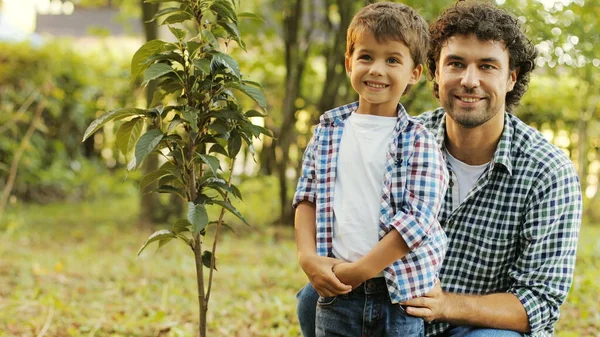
{"x":364,"y":57}
{"x":393,"y":60}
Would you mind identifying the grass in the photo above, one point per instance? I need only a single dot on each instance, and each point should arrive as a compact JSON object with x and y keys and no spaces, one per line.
{"x":72,"y":270}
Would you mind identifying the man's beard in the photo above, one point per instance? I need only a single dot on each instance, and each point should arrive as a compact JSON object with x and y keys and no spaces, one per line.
{"x":469,"y":117}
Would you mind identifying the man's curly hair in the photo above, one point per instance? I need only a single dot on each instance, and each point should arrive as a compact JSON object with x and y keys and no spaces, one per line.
{"x":489,"y":23}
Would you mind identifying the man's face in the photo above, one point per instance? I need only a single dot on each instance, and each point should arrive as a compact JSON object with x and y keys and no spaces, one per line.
{"x":473,"y":78}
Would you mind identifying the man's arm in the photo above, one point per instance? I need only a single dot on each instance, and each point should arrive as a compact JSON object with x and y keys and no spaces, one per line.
{"x":497,"y":311}
{"x":318,"y":269}
{"x":542,"y":274}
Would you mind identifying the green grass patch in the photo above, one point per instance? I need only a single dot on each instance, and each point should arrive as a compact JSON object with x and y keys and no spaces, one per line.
{"x":71,"y":270}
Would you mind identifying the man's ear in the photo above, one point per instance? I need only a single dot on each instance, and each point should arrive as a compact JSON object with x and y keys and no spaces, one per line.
{"x":348,"y":65}
{"x":512,"y":79}
{"x":415,"y":75}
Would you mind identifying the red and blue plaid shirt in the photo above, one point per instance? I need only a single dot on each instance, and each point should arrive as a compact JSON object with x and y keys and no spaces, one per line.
{"x":414,"y":185}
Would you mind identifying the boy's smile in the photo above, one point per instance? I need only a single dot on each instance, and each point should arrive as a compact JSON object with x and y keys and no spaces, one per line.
{"x":380,"y":72}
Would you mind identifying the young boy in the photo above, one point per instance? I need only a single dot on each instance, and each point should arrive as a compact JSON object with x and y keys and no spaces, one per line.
{"x":371,"y":186}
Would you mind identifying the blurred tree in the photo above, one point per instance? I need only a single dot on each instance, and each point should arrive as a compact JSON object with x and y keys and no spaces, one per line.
{"x":566,"y":37}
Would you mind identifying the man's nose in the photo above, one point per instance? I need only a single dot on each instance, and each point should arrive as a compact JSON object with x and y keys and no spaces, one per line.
{"x":470,"y":77}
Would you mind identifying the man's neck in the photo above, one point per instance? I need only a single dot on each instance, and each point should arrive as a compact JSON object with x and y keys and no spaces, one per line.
{"x":474,"y":146}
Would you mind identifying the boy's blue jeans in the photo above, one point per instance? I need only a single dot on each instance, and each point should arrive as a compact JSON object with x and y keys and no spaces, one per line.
{"x":307,"y":308}
{"x":366,"y":312}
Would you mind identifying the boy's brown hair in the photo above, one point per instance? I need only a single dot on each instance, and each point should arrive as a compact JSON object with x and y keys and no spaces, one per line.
{"x":391,"y":21}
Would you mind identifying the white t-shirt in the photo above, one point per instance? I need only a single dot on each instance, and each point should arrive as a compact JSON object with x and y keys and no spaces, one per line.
{"x":358,"y":184}
{"x":466,"y":176}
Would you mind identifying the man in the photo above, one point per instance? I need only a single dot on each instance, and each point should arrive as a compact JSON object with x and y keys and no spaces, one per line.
{"x":512,"y":212}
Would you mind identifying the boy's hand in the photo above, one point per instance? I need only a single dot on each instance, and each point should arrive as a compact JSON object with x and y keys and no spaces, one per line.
{"x":319,"y":270}
{"x":350,"y":273}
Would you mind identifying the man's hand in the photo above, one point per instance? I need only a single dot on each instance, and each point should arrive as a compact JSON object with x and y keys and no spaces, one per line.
{"x":350,"y":273}
{"x":319,"y":270}
{"x":431,"y":307}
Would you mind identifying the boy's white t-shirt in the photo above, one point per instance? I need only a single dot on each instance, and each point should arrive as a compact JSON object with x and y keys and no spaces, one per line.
{"x":466,"y":177}
{"x":358,"y":184}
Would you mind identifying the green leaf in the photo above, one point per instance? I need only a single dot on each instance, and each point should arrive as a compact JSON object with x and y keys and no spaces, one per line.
{"x":181,"y":225}
{"x":191,"y":47}
{"x":228,"y":61}
{"x":155,"y":71}
{"x":109,"y":116}
{"x":138,"y":62}
{"x":234,"y":144}
{"x":207,"y":259}
{"x":147,"y":144}
{"x":212,"y":161}
{"x":177,"y":18}
{"x":251,"y":16}
{"x":197,"y":216}
{"x":164,"y":11}
{"x":229,"y":207}
{"x":203,"y":65}
{"x":128,"y":134}
{"x":224,"y":9}
{"x":174,"y":123}
{"x":159,"y":1}
{"x":253,"y":92}
{"x":158,"y":235}
{"x":170,"y":189}
{"x":218,"y":148}
{"x":233,"y":31}
{"x":254,"y":113}
{"x":152,"y":177}
{"x":178,"y":33}
{"x":210,"y":38}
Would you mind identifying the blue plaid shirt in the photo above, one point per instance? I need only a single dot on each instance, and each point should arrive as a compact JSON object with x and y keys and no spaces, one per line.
{"x":517,"y":229}
{"x":414,"y":184}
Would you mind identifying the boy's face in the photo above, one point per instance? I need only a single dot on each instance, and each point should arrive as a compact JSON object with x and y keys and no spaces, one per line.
{"x":474,"y":78}
{"x":380,"y":72}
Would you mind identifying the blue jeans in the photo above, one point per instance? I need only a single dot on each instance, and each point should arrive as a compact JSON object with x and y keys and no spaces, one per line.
{"x":307,"y":307}
{"x":365,"y":311}
{"x":469,"y":331}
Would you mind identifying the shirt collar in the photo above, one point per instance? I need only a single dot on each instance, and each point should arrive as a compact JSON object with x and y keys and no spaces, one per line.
{"x":338,"y":115}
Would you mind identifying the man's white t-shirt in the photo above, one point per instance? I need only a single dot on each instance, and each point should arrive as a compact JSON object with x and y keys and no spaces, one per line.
{"x":358,"y":184}
{"x":466,"y":177}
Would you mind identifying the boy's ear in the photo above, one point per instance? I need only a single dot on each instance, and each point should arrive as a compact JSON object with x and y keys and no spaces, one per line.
{"x":415,"y":75}
{"x":348,"y":65}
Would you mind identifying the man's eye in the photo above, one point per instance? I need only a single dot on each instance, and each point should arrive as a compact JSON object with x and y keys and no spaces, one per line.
{"x":455,"y":64}
{"x":487,"y":67}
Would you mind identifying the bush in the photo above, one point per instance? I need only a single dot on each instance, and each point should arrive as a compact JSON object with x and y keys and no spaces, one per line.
{"x":71,"y":88}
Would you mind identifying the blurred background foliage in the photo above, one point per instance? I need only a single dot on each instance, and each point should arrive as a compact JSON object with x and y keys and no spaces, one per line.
{"x":296,"y":52}
{"x":51,"y":91}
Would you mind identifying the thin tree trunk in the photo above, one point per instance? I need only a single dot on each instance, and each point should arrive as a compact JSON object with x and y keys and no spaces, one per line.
{"x":149,"y":202}
{"x":12,"y":175}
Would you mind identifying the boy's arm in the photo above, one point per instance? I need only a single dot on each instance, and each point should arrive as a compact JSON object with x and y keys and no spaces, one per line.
{"x":388,"y":250}
{"x":318,"y":269}
{"x":426,"y":184}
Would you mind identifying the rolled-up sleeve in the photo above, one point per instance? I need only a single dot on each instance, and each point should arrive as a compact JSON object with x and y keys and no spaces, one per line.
{"x":306,"y":188}
{"x":426,"y":184}
{"x":543,"y":273}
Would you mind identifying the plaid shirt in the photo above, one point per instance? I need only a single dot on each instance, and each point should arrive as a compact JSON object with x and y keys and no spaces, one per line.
{"x":414,"y":184}
{"x":517,"y":229}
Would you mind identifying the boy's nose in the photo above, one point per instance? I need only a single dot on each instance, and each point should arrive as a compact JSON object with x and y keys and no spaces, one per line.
{"x":376,"y":69}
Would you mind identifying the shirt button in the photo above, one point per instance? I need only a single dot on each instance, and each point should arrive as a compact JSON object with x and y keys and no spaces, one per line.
{"x":451,"y":183}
